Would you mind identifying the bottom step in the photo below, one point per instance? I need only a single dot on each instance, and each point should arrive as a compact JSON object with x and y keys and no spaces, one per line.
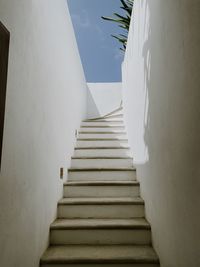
{"x":91,"y":256}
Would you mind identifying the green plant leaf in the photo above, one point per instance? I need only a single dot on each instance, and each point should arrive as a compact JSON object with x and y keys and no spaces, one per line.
{"x":123,"y":22}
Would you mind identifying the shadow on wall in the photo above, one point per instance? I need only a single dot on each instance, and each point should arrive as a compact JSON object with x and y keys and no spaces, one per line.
{"x":93,"y":106}
{"x":103,"y":98}
{"x":164,"y":113}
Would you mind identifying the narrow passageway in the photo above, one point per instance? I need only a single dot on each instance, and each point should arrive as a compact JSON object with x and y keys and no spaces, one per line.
{"x":101,"y":218}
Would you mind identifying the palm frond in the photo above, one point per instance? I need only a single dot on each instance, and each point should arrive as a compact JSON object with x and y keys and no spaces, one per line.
{"x":123,"y":21}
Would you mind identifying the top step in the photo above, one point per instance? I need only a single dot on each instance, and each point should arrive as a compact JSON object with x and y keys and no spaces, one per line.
{"x":114,"y":112}
{"x":105,"y":129}
{"x":117,"y":115}
{"x":102,"y":123}
{"x":111,"y":117}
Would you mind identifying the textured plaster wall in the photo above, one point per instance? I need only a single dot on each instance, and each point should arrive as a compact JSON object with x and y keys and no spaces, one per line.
{"x":161,"y":93}
{"x":46,"y":100}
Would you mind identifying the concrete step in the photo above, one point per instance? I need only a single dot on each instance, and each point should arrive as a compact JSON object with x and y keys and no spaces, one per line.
{"x":99,"y":142}
{"x":102,"y":189}
{"x":102,"y":128}
{"x":109,"y":115}
{"x":102,"y":152}
{"x":106,"y":122}
{"x":101,"y":217}
{"x":102,"y":174}
{"x":101,"y":207}
{"x":98,"y":162}
{"x":100,"y":265}
{"x":96,"y":256}
{"x":102,"y":135}
{"x":100,"y":232}
{"x":117,"y":117}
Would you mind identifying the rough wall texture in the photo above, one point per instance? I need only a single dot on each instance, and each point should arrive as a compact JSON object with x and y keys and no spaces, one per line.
{"x":46,"y":100}
{"x":161,"y":92}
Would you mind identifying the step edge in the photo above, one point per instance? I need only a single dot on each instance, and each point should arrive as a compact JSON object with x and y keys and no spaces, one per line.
{"x":100,"y":201}
{"x":101,"y":139}
{"x":94,"y":261}
{"x":115,"y":260}
{"x":103,"y":157}
{"x":84,"y":148}
{"x":102,"y":120}
{"x":102,"y":183}
{"x":103,"y":126}
{"x":82,"y":132}
{"x":100,"y":169}
{"x":120,"y":115}
{"x":100,"y":224}
{"x":101,"y":227}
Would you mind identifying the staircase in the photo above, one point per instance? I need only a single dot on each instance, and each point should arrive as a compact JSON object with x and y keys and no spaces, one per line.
{"x":101,"y":216}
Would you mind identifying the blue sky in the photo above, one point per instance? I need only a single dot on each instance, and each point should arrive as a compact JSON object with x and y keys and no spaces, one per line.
{"x":99,"y":52}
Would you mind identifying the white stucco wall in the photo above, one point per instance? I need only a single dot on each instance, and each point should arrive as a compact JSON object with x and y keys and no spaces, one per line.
{"x":103,"y":98}
{"x":161,"y":93}
{"x":46,"y":100}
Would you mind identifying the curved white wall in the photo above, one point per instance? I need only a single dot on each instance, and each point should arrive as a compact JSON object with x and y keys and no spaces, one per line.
{"x":161,"y":93}
{"x":46,"y":100}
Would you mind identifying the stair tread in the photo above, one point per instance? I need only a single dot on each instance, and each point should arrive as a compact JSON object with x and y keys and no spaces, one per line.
{"x":86,"y":132}
{"x":103,"y":157}
{"x":102,"y":126}
{"x":103,"y":147}
{"x":101,"y":200}
{"x":101,"y":139}
{"x":106,"y":183}
{"x":100,"y":254}
{"x":137,"y":223}
{"x":103,"y":120}
{"x":101,"y":169}
{"x":119,"y":115}
{"x":114,"y":115}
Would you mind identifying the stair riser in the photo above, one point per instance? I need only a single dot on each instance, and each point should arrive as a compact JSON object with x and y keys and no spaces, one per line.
{"x":102,"y":152}
{"x":95,"y":135}
{"x":100,"y":237}
{"x":102,"y":143}
{"x":102,"y":129}
{"x":103,"y":123}
{"x":101,"y":265}
{"x":102,"y":191}
{"x":102,"y":175}
{"x":99,"y":163}
{"x":100,"y":211}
